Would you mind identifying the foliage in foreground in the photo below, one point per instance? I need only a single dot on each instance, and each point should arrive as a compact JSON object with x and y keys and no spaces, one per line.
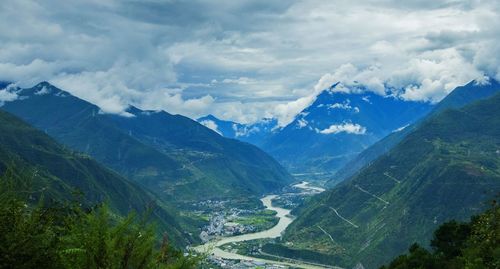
{"x":455,"y":245}
{"x":51,"y":235}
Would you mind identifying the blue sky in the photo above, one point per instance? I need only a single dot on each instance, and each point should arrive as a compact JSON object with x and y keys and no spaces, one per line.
{"x":244,"y":60}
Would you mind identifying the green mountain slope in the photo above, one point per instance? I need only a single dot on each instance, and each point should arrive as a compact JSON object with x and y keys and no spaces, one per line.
{"x":459,"y":97}
{"x":222,"y":165}
{"x":447,"y":168}
{"x":172,"y":155}
{"x":58,"y":173}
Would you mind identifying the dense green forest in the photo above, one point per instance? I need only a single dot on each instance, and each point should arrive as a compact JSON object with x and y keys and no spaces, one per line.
{"x":176,"y":158}
{"x":58,"y":172}
{"x":474,"y":244}
{"x":49,"y":234}
{"x":447,"y":168}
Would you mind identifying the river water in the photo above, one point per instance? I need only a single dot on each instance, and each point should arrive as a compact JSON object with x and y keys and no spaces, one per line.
{"x":285,"y":219}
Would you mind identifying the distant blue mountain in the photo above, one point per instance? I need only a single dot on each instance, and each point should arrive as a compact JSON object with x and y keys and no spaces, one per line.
{"x":459,"y":97}
{"x":254,"y":133}
{"x":339,"y":125}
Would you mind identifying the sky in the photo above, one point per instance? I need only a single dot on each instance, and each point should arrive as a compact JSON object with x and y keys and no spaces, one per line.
{"x":246,"y":60}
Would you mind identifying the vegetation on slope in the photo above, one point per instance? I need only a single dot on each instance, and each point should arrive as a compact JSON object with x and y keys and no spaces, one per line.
{"x":55,"y":235}
{"x":58,"y":174}
{"x":457,"y":245}
{"x":175,"y":157}
{"x":445,"y":169}
{"x":458,"y":98}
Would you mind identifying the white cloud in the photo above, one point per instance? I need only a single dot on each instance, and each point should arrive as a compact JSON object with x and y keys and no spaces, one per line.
{"x":112,"y":94}
{"x":8,"y":94}
{"x":241,"y":81}
{"x":301,"y":123}
{"x":344,"y":127}
{"x":286,"y":112}
{"x":245,"y":130}
{"x":211,"y":124}
{"x":44,"y":90}
{"x":401,"y":128}
{"x":244,"y":60}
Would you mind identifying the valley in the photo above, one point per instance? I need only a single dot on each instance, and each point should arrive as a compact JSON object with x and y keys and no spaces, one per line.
{"x":234,"y":203}
{"x":167,"y":134}
{"x":221,"y":252}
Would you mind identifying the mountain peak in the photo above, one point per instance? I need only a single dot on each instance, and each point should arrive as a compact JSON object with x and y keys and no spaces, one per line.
{"x":484,"y":81}
{"x":44,"y":88}
{"x":209,"y":117}
{"x":44,"y":84}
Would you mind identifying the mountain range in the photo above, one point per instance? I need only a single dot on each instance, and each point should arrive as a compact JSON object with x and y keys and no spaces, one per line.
{"x":339,"y":124}
{"x":59,"y":174}
{"x":171,"y":155}
{"x":459,"y":97}
{"x":434,"y":163}
{"x":447,"y":167}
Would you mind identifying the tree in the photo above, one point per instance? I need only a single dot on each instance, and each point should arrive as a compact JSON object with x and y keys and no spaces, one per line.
{"x":66,"y":235}
{"x":473,"y":245}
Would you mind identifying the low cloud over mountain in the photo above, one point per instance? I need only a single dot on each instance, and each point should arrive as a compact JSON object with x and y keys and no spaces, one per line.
{"x":246,"y":60}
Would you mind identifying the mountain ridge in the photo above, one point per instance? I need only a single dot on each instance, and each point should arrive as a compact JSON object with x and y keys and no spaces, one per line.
{"x":447,"y":168}
{"x":459,"y":97}
{"x":337,"y":126}
{"x":57,"y":173}
{"x":168,"y":164}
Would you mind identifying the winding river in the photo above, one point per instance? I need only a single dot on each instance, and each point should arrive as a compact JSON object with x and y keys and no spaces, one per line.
{"x":285,"y":219}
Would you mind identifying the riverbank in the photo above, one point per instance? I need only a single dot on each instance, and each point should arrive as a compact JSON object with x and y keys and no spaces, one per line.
{"x":285,"y":219}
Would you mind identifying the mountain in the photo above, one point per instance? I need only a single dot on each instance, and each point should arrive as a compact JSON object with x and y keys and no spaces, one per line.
{"x":459,"y":97}
{"x":254,"y":133}
{"x":447,"y":168}
{"x":339,"y":125}
{"x":172,"y":155}
{"x":58,"y":173}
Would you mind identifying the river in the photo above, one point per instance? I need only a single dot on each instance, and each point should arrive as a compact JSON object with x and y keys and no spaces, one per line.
{"x":285,"y":219}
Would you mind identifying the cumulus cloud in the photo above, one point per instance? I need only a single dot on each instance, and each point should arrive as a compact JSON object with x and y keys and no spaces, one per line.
{"x":244,"y":60}
{"x":346,"y":106}
{"x":211,"y":124}
{"x":8,"y":94}
{"x":245,"y":130}
{"x":349,"y":128}
{"x":43,"y":91}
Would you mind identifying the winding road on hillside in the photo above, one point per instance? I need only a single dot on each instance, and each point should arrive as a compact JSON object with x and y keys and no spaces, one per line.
{"x":285,"y":219}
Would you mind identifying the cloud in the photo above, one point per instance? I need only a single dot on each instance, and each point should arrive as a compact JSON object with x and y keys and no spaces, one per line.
{"x":344,"y":127}
{"x":301,"y":123}
{"x":245,"y":130}
{"x":400,"y":128}
{"x":44,"y":90}
{"x":8,"y":94}
{"x":211,"y":124}
{"x":244,"y":60}
{"x":428,"y":77}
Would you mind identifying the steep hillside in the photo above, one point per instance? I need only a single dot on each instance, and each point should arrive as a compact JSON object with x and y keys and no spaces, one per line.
{"x":223,"y":165}
{"x":447,"y":168}
{"x":459,"y":97}
{"x":172,"y":155}
{"x":339,"y":125}
{"x":58,"y":173}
